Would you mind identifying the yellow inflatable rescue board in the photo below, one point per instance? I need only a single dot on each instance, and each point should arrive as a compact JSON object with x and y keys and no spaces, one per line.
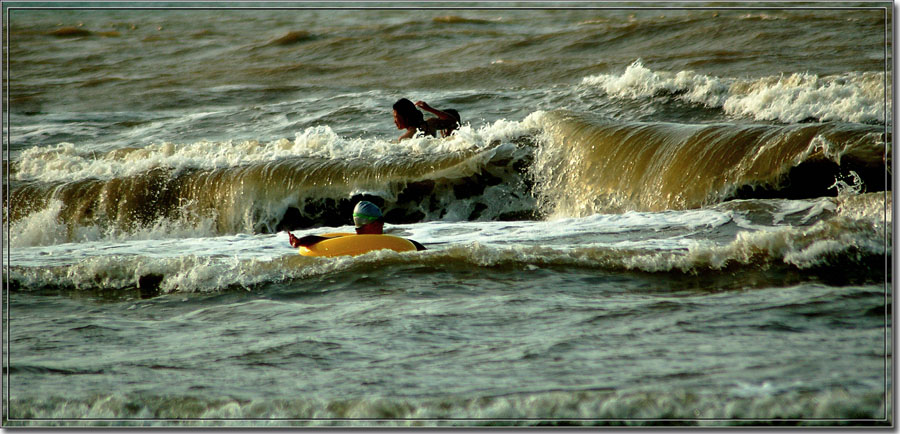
{"x":340,"y":244}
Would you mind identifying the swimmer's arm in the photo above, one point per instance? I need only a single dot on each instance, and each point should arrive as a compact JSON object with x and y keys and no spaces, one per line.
{"x":305,"y":241}
{"x":408,"y":134}
{"x":440,"y":114}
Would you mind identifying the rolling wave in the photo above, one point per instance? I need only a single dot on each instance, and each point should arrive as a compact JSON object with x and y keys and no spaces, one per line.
{"x":586,"y":165}
{"x":552,"y":164}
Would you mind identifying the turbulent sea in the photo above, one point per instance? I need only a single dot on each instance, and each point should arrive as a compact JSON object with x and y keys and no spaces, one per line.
{"x":674,"y":214}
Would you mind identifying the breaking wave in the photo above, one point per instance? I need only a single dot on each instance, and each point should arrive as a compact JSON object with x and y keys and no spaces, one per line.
{"x":851,"y":97}
{"x":550,"y":165}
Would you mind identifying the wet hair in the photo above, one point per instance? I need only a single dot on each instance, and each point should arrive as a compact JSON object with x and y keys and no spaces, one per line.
{"x":455,"y":114}
{"x":408,"y":111}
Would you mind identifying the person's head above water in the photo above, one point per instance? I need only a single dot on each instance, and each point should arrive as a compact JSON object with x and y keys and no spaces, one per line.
{"x":406,"y":115}
{"x":368,"y":218}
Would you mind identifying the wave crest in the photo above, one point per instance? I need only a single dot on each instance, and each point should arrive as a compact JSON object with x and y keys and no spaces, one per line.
{"x":851,"y":97}
{"x":586,"y":165}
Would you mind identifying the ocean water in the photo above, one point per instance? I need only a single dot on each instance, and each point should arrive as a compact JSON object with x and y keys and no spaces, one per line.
{"x":653,"y":214}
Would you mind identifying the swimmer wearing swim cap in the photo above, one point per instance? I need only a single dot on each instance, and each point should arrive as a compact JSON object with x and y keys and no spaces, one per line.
{"x":367,"y":218}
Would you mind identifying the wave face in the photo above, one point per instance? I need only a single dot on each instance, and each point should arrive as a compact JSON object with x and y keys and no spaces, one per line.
{"x":224,"y":188}
{"x":587,"y":165}
{"x":556,"y":164}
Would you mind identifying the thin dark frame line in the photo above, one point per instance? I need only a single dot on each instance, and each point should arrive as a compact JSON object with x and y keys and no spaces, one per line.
{"x":6,"y":228}
{"x":886,"y":260}
{"x":435,"y":8}
{"x":445,"y":419}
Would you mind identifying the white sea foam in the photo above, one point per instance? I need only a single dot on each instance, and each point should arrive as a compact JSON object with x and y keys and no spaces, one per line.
{"x":649,"y":242}
{"x":876,"y":208}
{"x":812,"y":208}
{"x":595,"y":230}
{"x":199,"y":266}
{"x":851,"y":97}
{"x":40,"y":228}
{"x":209,"y":272}
{"x":43,"y":228}
{"x":187,"y":273}
{"x":763,"y":400}
{"x":65,"y":162}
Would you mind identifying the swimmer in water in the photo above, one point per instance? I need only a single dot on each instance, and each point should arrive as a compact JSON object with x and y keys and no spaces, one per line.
{"x":367,"y":218}
{"x":408,"y":117}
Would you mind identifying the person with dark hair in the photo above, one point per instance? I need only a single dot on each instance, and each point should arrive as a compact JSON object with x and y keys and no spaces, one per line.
{"x":408,"y":118}
{"x":447,"y":131}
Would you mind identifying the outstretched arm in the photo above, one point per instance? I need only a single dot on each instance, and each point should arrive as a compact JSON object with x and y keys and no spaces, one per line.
{"x":440,"y":114}
{"x":305,"y":241}
{"x":408,"y":134}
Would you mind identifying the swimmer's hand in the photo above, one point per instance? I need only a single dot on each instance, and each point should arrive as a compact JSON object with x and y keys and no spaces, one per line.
{"x":295,"y":242}
{"x":440,"y":114}
{"x":305,"y":241}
